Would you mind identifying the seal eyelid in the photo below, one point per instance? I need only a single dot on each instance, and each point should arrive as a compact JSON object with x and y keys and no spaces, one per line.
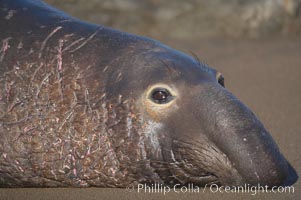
{"x":160,"y":95}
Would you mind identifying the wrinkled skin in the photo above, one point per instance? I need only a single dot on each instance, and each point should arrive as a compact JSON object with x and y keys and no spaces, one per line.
{"x":76,"y":109}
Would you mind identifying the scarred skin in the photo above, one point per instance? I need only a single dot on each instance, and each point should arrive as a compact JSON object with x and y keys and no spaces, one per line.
{"x":76,"y":110}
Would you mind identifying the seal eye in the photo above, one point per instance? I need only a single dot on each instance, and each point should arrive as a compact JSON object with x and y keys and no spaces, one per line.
{"x":221,"y":80}
{"x":160,"y":96}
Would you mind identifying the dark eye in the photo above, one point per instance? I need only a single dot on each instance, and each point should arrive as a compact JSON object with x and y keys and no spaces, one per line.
{"x":221,"y":80}
{"x":160,"y":95}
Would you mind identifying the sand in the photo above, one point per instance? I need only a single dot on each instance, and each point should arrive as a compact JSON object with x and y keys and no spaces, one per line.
{"x":265,"y":74}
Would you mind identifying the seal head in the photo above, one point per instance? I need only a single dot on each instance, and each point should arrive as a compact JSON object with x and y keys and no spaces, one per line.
{"x":194,"y":127}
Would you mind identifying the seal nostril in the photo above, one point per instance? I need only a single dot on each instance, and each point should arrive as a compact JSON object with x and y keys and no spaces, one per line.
{"x":292,"y":176}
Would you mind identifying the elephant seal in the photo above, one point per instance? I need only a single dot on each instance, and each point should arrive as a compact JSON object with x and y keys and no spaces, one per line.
{"x":84,"y":105}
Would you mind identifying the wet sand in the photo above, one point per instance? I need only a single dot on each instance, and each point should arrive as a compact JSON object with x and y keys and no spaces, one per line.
{"x":265,"y":75}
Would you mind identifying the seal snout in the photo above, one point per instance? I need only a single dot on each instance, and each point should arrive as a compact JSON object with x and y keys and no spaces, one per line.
{"x":257,"y":158}
{"x":249,"y":147}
